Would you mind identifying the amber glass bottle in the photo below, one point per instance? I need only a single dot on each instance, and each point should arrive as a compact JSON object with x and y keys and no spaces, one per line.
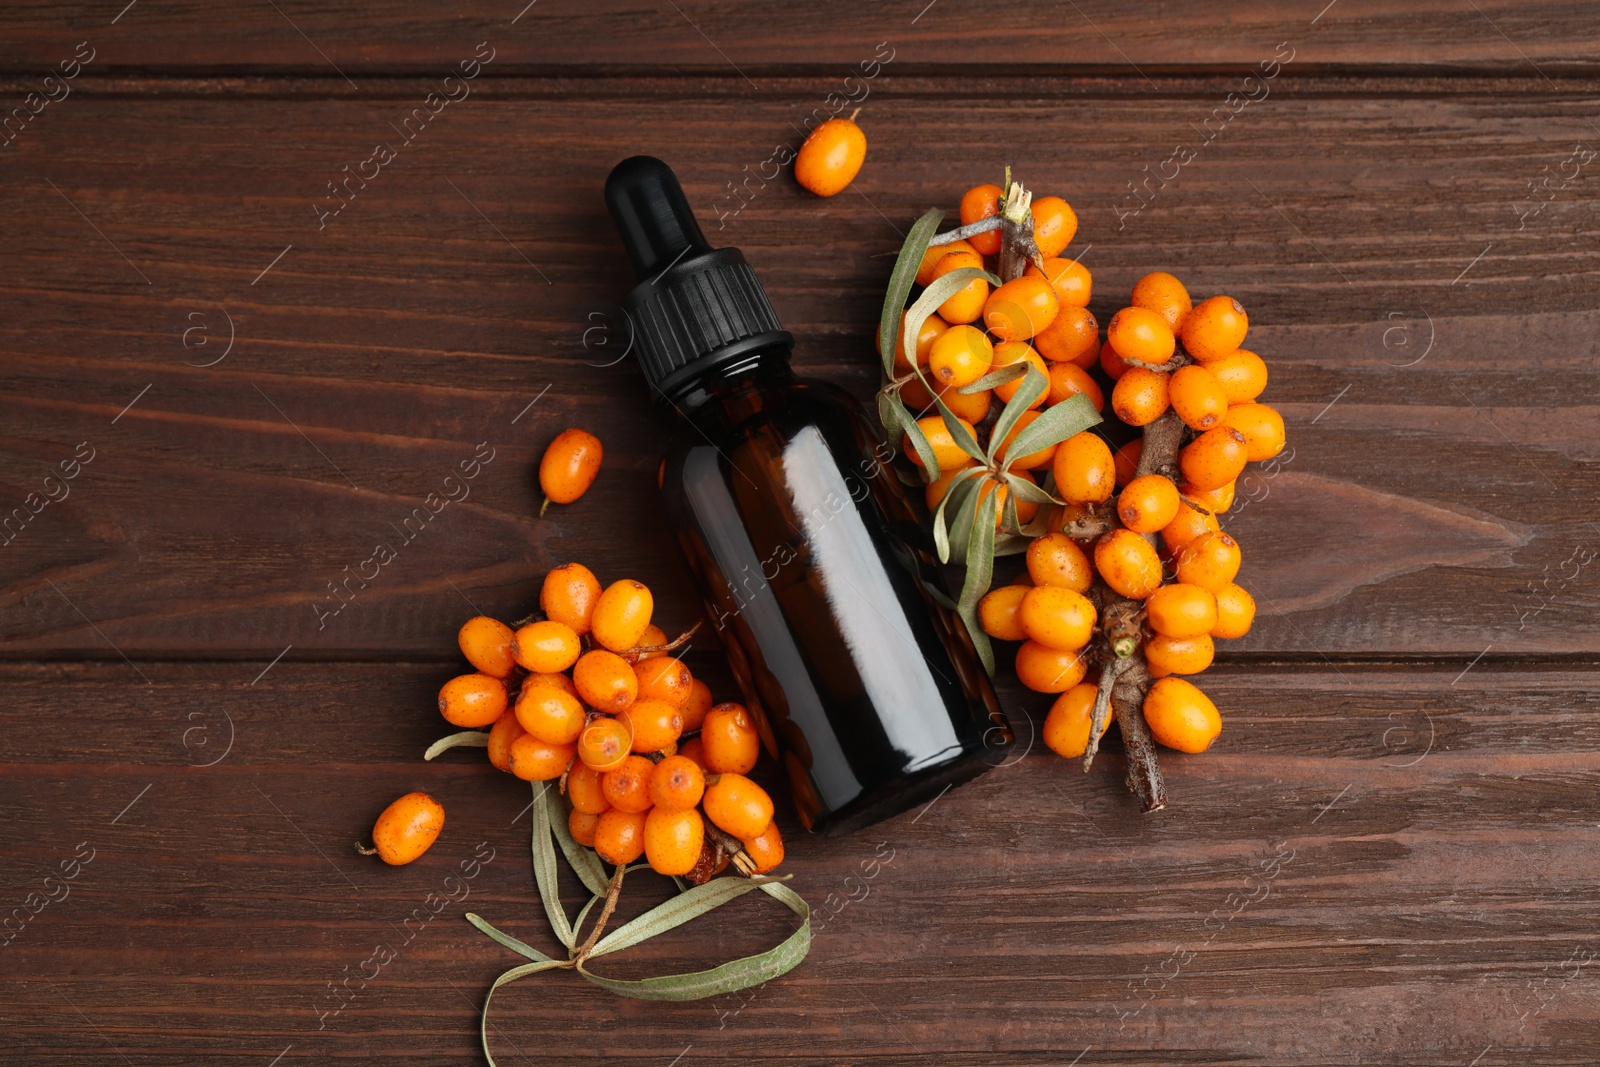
{"x":813,"y":564}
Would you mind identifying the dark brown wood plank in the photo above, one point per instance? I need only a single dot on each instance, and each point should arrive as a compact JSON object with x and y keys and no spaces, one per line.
{"x":1432,"y":899}
{"x":1431,"y":342}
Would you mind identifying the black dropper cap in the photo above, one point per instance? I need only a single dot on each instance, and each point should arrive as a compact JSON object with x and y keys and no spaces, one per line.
{"x":695,"y":308}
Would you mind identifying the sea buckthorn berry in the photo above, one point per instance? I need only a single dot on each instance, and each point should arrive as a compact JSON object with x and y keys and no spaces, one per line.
{"x":1215,"y":501}
{"x":407,"y":828}
{"x":1180,"y":716}
{"x":831,"y":157}
{"x":627,"y":788}
{"x":486,"y":643}
{"x":1126,"y":461}
{"x":765,"y":849}
{"x":968,"y":407}
{"x":1020,"y":308}
{"x":673,"y":839}
{"x":1148,"y":503}
{"x":1210,"y":561}
{"x":621,"y":615}
{"x":1236,"y":610}
{"x":472,"y":700}
{"x":1072,"y":336}
{"x":1026,"y":509}
{"x":934,"y":492}
{"x":1084,"y":470}
{"x":502,"y":735}
{"x":1069,"y":278}
{"x":1057,"y":617}
{"x":549,"y":714}
{"x":932,"y":327}
{"x":1055,"y":224}
{"x":1214,"y":328}
{"x":1178,"y":655}
{"x":677,"y":783}
{"x":655,"y":724}
{"x":692,"y":749}
{"x":997,"y":613}
{"x":1181,"y":610}
{"x":1056,"y":559}
{"x":1215,"y":458}
{"x":1049,"y":670}
{"x":1262,"y":427}
{"x":547,"y":646}
{"x":977,"y":203}
{"x":1160,"y":292}
{"x":1140,"y":396}
{"x":1139,"y":333}
{"x":946,"y":452}
{"x":1031,"y":461}
{"x":729,"y":741}
{"x":569,"y":466}
{"x":1186,"y":526}
{"x":584,"y":789}
{"x":664,"y":678}
{"x":1112,"y":363}
{"x":1066,"y":727}
{"x":619,"y":836}
{"x":1128,"y":564}
{"x":1197,"y":397}
{"x":1241,"y":373}
{"x":966,"y":305}
{"x":653,"y":637}
{"x":1009,"y":352}
{"x":604,"y":744}
{"x":569,"y":595}
{"x":960,"y":356}
{"x":582,"y":825}
{"x":695,"y":708}
{"x":534,"y":760}
{"x":934,"y":254}
{"x":605,"y":680}
{"x":738,"y":806}
{"x":1066,"y":379}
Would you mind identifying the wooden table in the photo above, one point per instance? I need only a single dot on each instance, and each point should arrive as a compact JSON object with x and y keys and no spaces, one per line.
{"x":1390,"y":856}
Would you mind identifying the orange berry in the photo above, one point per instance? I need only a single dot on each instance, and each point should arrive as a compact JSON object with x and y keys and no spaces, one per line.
{"x":1057,"y":617}
{"x":980,"y":202}
{"x":729,"y":740}
{"x":1066,"y":727}
{"x":407,"y":828}
{"x":604,"y":744}
{"x":1236,"y":610}
{"x":1216,"y":500}
{"x":569,"y":465}
{"x":486,"y":643}
{"x":582,"y":825}
{"x":627,"y":788}
{"x":1186,"y":526}
{"x":1083,"y":469}
{"x":1127,"y":461}
{"x":946,"y":452}
{"x":738,"y":806}
{"x":534,"y":760}
{"x":549,"y":714}
{"x":1215,"y":458}
{"x":653,"y":637}
{"x":1054,"y":225}
{"x":1214,"y":328}
{"x":1128,"y":564}
{"x":1139,"y":333}
{"x":568,"y":596}
{"x":934,"y":492}
{"x":960,"y":356}
{"x":605,"y":680}
{"x":472,"y":700}
{"x":1165,"y":295}
{"x":1069,"y":378}
{"x":692,"y":749}
{"x":621,"y":615}
{"x":1020,"y":308}
{"x":1262,"y":427}
{"x":967,"y":303}
{"x":584,"y":789}
{"x":1241,"y":373}
{"x":1140,"y":396}
{"x":502,"y":735}
{"x":1055,"y":559}
{"x":1181,"y":610}
{"x":619,"y":836}
{"x":1210,"y":561}
{"x":932,"y":327}
{"x":548,"y":647}
{"x":677,"y":783}
{"x":968,"y":407}
{"x":931,"y":257}
{"x":831,"y":157}
{"x":1180,"y":716}
{"x":1197,"y":397}
{"x":1031,"y":461}
{"x":997,"y":613}
{"x":1068,"y":277}
{"x":1148,"y":503}
{"x":673,"y":840}
{"x":664,"y":678}
{"x":765,"y":849}
{"x":1178,"y":655}
{"x":1049,"y":670}
{"x":1071,"y":336}
{"x":1026,"y":510}
{"x":1009,"y":352}
{"x":655,"y":724}
{"x":1112,"y":363}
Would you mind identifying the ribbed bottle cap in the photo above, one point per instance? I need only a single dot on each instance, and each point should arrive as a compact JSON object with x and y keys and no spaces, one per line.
{"x":695,"y":307}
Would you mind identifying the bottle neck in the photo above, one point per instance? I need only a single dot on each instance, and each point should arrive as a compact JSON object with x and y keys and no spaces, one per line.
{"x":737,"y":387}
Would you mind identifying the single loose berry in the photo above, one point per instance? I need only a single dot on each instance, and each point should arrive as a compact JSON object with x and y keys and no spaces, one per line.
{"x":569,"y":466}
{"x":486,"y":643}
{"x":407,"y":828}
{"x":831,"y":157}
{"x":1181,"y":716}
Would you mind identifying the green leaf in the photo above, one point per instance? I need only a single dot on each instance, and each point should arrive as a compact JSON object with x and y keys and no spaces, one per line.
{"x":901,"y":279}
{"x":506,"y":979}
{"x":1023,"y":489}
{"x":466,"y":738}
{"x":1032,"y":388}
{"x":1008,"y":515}
{"x":674,"y":913}
{"x":940,"y":597}
{"x":1010,"y":544}
{"x":980,"y":572}
{"x":506,"y":940}
{"x":544,"y":866}
{"x":959,"y":433}
{"x":941,"y":534}
{"x":961,"y":525}
{"x":1071,"y":416}
{"x":584,"y":863}
{"x":919,"y":440}
{"x":999,"y":376}
{"x":941,"y":290}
